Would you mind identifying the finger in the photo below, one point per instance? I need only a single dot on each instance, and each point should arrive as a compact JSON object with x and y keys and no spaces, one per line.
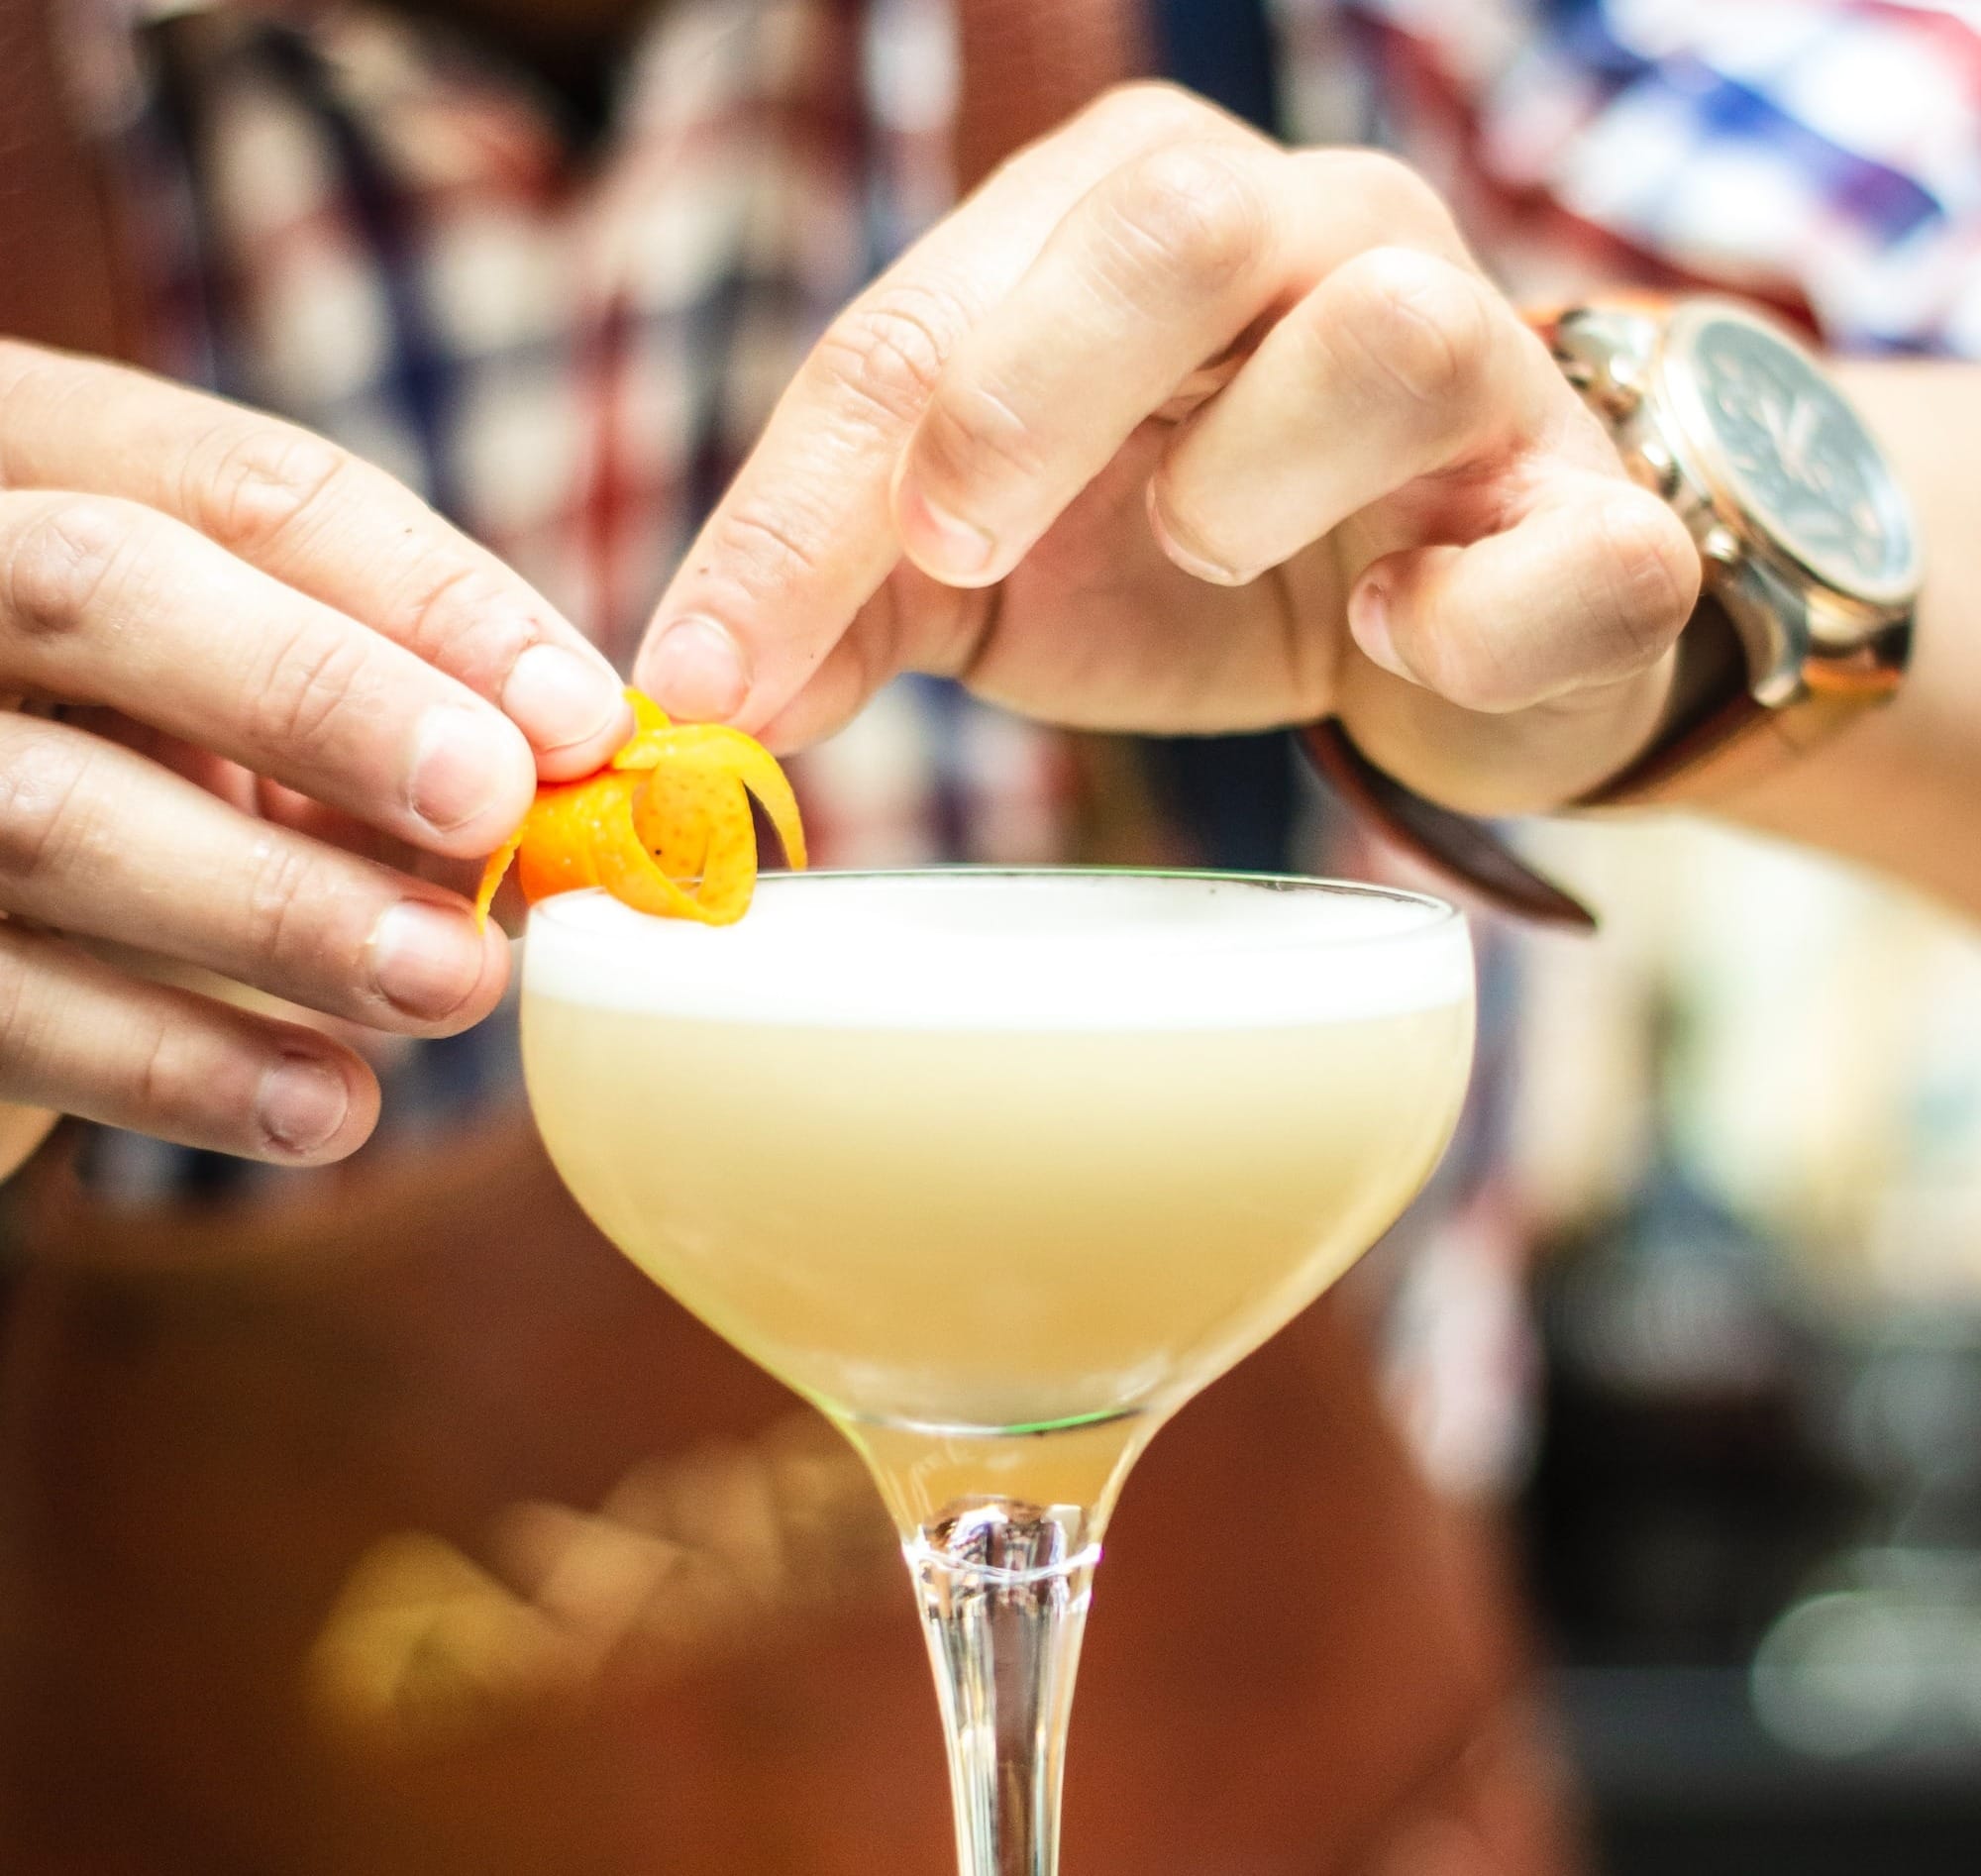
{"x":1137,"y":646}
{"x":335,"y":828}
{"x":1397,"y":365}
{"x":320,"y":520}
{"x":805,"y":536}
{"x":227,"y":780}
{"x":98,"y":842}
{"x":78,"y":1036}
{"x":270,"y":800}
{"x":1587,"y":592}
{"x":111,"y":604}
{"x":846,"y":681}
{"x":911,"y":624}
{"x":1160,"y":268}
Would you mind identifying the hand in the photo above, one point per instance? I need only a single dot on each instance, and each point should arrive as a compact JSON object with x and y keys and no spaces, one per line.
{"x":1169,"y":428}
{"x":268,"y":666}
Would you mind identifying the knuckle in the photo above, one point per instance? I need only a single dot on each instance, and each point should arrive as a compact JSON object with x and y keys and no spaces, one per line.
{"x":1192,"y":214}
{"x":253,"y":483}
{"x":306,"y":688}
{"x":1422,"y":328}
{"x":45,"y":820}
{"x":274,"y":922}
{"x":66,"y":560}
{"x":971,"y":432}
{"x":164,"y":1078}
{"x":766,"y":547}
{"x":886,"y":354}
{"x":460,"y":615}
{"x":158,"y":1082}
{"x":24,"y":1032}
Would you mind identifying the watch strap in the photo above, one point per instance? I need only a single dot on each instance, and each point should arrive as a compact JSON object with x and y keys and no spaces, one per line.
{"x":1456,"y":848}
{"x":1719,"y":740}
{"x":1707,"y":720}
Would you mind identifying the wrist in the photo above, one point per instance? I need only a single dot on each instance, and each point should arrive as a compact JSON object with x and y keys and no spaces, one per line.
{"x":1896,"y":792}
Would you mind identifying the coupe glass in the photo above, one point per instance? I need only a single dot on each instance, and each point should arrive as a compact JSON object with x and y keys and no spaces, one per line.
{"x":998,"y":1169}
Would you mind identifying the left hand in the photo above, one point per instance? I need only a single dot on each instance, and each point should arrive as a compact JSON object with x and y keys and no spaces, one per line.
{"x":1170,"y":429}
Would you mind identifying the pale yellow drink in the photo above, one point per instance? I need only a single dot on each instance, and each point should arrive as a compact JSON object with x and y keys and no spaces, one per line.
{"x":969,"y":1159}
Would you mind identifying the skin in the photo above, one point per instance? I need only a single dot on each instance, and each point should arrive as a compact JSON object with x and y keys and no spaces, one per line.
{"x":1898,"y":790}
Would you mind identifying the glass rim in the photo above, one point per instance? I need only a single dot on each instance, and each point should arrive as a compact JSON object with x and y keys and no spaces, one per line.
{"x":1438,"y":913}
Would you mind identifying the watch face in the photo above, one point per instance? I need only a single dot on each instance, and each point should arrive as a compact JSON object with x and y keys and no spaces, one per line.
{"x":1798,"y":460}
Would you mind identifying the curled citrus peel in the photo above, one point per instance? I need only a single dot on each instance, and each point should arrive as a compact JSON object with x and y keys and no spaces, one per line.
{"x":666,"y":827}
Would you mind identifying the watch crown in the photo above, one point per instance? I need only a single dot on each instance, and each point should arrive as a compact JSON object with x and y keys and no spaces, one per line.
{"x":1656,"y":468}
{"x":1721,"y":546}
{"x":1622,"y":387}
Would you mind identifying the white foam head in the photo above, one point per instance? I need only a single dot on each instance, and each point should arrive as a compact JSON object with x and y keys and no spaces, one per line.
{"x":978,"y":950}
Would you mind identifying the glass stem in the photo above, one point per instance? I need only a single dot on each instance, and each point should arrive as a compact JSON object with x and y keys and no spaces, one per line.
{"x":1004,"y":1587}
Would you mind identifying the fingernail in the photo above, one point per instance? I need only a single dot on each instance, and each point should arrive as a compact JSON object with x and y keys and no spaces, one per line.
{"x":424,"y":960}
{"x":695,"y":671}
{"x":459,"y":763}
{"x":302,"y":1103}
{"x":961,"y":546}
{"x":1369,"y":623}
{"x":556,"y":697}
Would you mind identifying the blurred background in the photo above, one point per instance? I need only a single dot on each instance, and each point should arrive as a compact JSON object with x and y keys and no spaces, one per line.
{"x":384,"y":1521}
{"x":1746,"y":1135}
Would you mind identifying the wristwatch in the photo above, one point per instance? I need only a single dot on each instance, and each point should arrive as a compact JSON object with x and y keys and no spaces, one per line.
{"x":1810,"y":550}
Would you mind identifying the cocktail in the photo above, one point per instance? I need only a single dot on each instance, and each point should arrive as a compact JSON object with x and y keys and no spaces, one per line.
{"x":998,"y":1169}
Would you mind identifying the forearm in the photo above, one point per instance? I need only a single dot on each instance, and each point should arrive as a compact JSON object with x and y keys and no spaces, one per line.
{"x":1901,"y":791}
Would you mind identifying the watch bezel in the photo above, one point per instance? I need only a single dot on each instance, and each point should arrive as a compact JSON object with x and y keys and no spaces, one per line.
{"x":1693,"y":439}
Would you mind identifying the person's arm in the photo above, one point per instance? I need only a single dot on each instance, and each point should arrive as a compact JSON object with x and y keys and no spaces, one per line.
{"x":1901,"y":789}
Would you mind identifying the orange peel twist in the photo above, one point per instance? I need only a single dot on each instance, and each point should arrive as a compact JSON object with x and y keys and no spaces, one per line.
{"x":666,"y":827}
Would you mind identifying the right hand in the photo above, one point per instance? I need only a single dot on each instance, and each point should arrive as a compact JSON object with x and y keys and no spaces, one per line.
{"x":263,"y":655}
{"x":1169,"y":428}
